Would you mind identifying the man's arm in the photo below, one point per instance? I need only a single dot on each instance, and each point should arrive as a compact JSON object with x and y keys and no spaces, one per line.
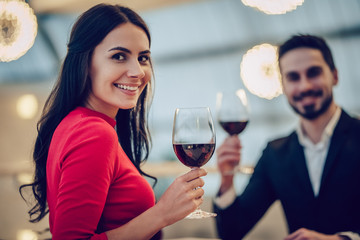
{"x":244,"y":212}
{"x":306,"y":234}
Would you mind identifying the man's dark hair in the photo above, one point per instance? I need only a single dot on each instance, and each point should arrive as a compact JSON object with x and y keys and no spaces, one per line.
{"x":309,"y":41}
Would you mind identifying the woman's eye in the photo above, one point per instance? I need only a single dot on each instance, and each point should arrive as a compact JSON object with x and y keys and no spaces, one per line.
{"x":143,"y":59}
{"x":119,"y":57}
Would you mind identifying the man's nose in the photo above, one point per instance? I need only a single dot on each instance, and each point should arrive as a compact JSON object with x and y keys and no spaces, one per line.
{"x":304,"y":84}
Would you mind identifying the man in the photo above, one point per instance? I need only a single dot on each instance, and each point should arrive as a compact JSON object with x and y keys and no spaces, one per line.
{"x":314,"y":172}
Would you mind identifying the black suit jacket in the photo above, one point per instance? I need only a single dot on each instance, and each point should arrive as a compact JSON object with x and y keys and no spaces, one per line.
{"x":281,"y":174}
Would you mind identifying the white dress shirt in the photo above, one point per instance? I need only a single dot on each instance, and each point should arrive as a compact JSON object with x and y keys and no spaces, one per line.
{"x":315,"y":153}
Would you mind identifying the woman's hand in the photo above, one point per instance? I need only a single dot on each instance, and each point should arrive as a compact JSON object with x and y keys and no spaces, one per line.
{"x":228,"y":157}
{"x":183,"y":196}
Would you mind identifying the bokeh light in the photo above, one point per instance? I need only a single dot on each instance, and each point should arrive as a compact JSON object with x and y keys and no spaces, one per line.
{"x":274,"y":6}
{"x":27,"y":106}
{"x":260,"y":72}
{"x":18,"y":29}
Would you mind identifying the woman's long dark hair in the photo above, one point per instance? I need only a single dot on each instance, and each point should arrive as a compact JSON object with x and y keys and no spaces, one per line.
{"x":72,"y":90}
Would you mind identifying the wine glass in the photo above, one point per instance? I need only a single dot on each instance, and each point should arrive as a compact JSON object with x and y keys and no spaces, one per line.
{"x":193,"y":140}
{"x":233,"y":116}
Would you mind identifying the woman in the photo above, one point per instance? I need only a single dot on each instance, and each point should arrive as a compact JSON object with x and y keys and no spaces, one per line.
{"x":93,"y":136}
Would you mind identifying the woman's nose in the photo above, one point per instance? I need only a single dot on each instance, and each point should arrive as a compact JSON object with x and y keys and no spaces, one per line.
{"x":135,"y":70}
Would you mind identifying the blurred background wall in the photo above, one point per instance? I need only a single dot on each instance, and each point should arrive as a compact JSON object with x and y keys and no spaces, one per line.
{"x":197,"y":48}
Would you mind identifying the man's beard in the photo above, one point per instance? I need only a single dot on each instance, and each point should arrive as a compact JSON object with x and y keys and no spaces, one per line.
{"x":310,"y":112}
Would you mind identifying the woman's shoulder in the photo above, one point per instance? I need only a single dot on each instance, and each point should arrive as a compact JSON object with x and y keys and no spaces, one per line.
{"x":85,"y":135}
{"x":85,"y":123}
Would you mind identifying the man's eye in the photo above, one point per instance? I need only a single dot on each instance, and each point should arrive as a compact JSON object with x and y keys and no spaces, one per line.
{"x":292,"y":76}
{"x":119,"y":57}
{"x":314,"y":72}
{"x":143,"y":59}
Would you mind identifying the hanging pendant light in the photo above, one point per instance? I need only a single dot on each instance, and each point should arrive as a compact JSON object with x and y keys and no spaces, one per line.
{"x":260,"y":72}
{"x":18,"y":29}
{"x":274,"y":6}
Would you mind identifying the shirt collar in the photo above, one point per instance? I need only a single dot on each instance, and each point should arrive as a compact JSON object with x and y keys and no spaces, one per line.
{"x":326,"y":135}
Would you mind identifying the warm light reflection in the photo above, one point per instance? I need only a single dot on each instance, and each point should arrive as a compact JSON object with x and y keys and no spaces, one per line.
{"x":26,"y":234}
{"x":260,"y":72}
{"x":24,"y":178}
{"x":274,"y":6}
{"x":242,"y":96}
{"x":18,"y":29}
{"x":27,"y":106}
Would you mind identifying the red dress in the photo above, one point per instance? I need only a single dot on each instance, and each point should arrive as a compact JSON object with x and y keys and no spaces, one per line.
{"x":92,"y":186}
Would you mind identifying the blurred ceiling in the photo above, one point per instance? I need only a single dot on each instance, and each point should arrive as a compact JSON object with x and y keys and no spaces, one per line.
{"x":54,"y":19}
{"x":184,"y":29}
{"x":74,"y":6}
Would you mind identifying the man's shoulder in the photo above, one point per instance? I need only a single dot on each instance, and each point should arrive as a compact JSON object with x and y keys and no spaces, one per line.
{"x":282,"y":142}
{"x":349,"y":122}
{"x":356,"y":120}
{"x":281,"y":147}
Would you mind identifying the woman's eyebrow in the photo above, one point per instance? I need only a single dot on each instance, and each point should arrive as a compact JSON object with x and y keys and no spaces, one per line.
{"x":127,"y":50}
{"x":120,"y":49}
{"x":145,"y":52}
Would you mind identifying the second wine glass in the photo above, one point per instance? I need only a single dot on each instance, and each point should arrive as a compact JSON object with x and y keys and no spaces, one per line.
{"x":233,"y":116}
{"x":193,"y":141}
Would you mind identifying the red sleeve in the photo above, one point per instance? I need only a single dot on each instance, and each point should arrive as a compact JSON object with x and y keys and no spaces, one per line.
{"x":86,"y":174}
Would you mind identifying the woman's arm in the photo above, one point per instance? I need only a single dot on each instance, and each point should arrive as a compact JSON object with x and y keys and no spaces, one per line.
{"x":182,"y":197}
{"x":87,"y":171}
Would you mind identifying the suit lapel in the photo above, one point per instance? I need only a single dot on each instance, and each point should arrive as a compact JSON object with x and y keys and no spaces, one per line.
{"x":298,"y":159}
{"x":337,"y":140}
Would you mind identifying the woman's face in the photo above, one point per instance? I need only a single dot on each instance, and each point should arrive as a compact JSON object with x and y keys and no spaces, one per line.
{"x":120,"y":69}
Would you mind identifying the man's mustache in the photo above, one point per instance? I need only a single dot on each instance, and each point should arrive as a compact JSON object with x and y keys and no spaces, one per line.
{"x":310,"y":93}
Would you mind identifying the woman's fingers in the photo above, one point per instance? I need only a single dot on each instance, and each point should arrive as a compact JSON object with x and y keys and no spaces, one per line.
{"x":193,"y":174}
{"x":196,"y":183}
{"x":197,"y":193}
{"x":188,"y":183}
{"x":183,"y":196}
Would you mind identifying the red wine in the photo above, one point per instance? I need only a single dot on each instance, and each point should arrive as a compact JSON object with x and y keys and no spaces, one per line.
{"x":194,"y":155}
{"x":235,"y":127}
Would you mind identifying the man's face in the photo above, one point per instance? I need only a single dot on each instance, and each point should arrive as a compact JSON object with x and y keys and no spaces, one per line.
{"x":307,"y":81}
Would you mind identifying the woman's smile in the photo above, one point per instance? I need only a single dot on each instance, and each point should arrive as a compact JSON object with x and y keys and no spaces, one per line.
{"x":126,"y":87}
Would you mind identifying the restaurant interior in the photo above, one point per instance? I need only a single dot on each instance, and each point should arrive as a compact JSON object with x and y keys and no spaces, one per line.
{"x":199,"y":47}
